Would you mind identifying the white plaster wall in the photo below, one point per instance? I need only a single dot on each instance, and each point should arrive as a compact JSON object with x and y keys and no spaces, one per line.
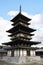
{"x":32,"y":52}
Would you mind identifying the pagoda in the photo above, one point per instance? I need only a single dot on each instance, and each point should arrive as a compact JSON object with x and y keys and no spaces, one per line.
{"x":21,"y":34}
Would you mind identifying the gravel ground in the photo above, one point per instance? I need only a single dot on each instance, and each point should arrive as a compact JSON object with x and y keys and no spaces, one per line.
{"x":5,"y":63}
{"x":31,"y":63}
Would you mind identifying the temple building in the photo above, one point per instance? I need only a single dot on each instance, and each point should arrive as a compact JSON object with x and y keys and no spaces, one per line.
{"x":39,"y":52}
{"x":21,"y":35}
{"x":3,"y":52}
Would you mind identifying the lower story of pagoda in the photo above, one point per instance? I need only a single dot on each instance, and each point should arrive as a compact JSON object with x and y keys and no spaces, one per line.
{"x":20,"y":47}
{"x":21,"y":52}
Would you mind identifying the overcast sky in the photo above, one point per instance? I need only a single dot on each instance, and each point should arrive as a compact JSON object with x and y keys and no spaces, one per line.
{"x":30,"y":8}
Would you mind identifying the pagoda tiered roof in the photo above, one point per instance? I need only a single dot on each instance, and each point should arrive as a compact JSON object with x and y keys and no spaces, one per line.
{"x":20,"y":21}
{"x":21,"y":27}
{"x":20,"y":16}
{"x":20,"y":42}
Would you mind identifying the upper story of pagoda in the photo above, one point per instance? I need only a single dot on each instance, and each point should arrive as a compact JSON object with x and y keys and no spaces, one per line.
{"x":21,"y":32}
{"x":21,"y":17}
{"x":21,"y":22}
{"x":21,"y":26}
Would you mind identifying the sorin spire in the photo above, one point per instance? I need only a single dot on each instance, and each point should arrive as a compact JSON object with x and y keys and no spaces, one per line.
{"x":20,"y":8}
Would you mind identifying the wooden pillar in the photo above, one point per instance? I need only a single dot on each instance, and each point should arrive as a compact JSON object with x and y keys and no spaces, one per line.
{"x":12,"y":53}
{"x":28,"y":52}
{"x":22,"y":52}
{"x":16,"y":52}
{"x":19,"y":52}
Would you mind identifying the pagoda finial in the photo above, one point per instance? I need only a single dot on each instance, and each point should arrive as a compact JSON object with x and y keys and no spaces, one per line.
{"x":20,"y":8}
